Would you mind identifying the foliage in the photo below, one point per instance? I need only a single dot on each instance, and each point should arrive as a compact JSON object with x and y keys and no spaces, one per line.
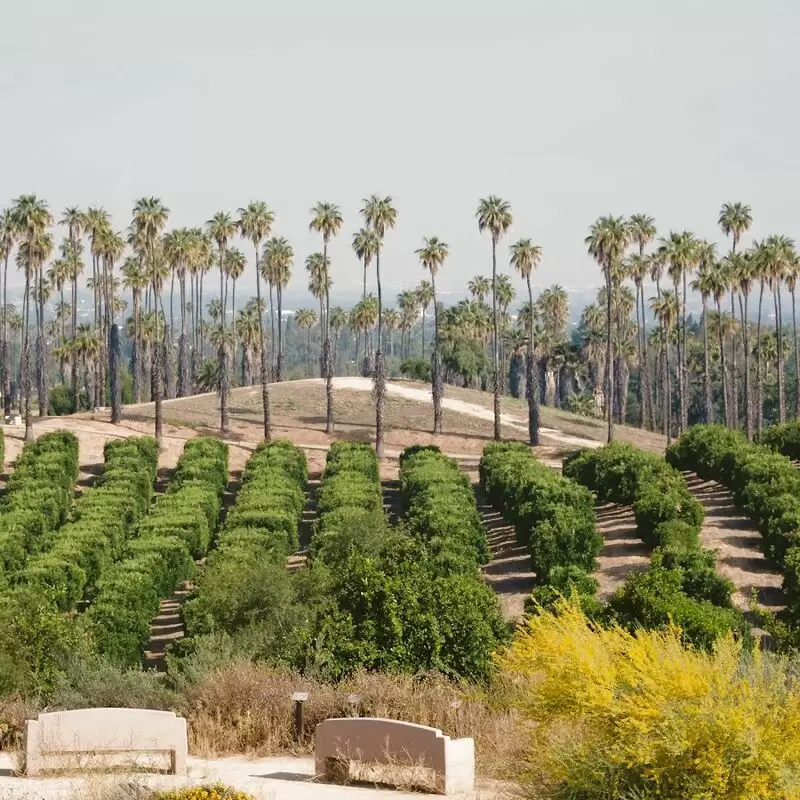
{"x":783,"y":439}
{"x":553,"y":516}
{"x":417,"y":369}
{"x":217,"y":791}
{"x":37,"y":500}
{"x":764,"y":483}
{"x":617,"y":714}
{"x":621,"y":473}
{"x":104,"y":518}
{"x":570,"y":582}
{"x":245,"y":577}
{"x":180,"y":525}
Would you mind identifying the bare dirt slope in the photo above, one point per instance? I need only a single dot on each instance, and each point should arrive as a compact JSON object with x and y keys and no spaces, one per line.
{"x":623,"y":551}
{"x":733,"y":538}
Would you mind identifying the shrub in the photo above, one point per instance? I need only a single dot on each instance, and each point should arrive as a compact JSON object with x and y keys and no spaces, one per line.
{"x":179,"y":526}
{"x":553,"y":515}
{"x":784,"y":439}
{"x":618,"y":714}
{"x":216,"y":791}
{"x":566,"y":582}
{"x":245,"y":578}
{"x":418,"y":369}
{"x":621,"y":473}
{"x":105,"y":516}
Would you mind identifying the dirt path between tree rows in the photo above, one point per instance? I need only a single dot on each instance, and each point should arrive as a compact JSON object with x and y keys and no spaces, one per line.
{"x":623,"y":551}
{"x":732,"y":536}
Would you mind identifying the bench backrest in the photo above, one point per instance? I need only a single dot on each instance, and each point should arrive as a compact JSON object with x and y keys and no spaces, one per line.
{"x":105,"y":730}
{"x":381,"y":740}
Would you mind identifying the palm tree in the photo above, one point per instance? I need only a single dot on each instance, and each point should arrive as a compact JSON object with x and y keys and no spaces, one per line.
{"x":525,"y":257}
{"x":705,"y":286}
{"x":179,"y":246}
{"x":494,"y":215}
{"x":679,"y":250}
{"x":426,"y":295}
{"x":380,"y":216}
{"x":327,"y":220}
{"x":734,"y":220}
{"x":318,"y":285}
{"x":135,"y":280}
{"x":740,"y":269}
{"x":717,"y":282}
{"x":432,"y":256}
{"x":665,"y":309}
{"x":31,"y":219}
{"x":792,"y":274}
{"x":255,"y":223}
{"x":505,"y":297}
{"x":338,"y":322}
{"x":149,"y":220}
{"x":642,"y":231}
{"x":234,"y":266}
{"x":306,"y":318}
{"x":365,"y":246}
{"x":479,"y":287}
{"x":221,"y":228}
{"x":392,"y":321}
{"x":277,"y":269}
{"x":8,"y":238}
{"x":58,"y":275}
{"x":782,"y":257}
{"x":607,"y":240}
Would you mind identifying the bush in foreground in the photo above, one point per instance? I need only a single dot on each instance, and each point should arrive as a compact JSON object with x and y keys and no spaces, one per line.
{"x":639,"y":715}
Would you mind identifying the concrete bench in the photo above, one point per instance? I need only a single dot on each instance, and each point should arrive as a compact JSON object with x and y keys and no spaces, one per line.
{"x":337,"y":742}
{"x":58,"y":736}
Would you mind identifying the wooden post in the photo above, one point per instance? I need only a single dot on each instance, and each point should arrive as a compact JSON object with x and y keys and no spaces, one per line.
{"x":299,"y":699}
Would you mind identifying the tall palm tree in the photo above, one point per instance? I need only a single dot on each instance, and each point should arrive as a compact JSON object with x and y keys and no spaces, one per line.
{"x":149,"y":220}
{"x":717,"y":282}
{"x":8,"y":238}
{"x":318,"y":284}
{"x":31,"y":219}
{"x":392,"y":321}
{"x":234,"y":266}
{"x":365,"y":246}
{"x":338,"y":323}
{"x":380,"y":216}
{"x":135,"y":280}
{"x":426,"y":295}
{"x":642,"y":231}
{"x":432,"y":256}
{"x":705,"y":287}
{"x":734,"y":219}
{"x":606,"y":242}
{"x":408,"y":303}
{"x":479,"y":287}
{"x":179,"y":247}
{"x":782,"y":257}
{"x":277,"y":269}
{"x":255,"y":223}
{"x":792,"y":275}
{"x":494,"y":215}
{"x":525,"y":257}
{"x":665,"y":309}
{"x":221,"y":228}
{"x":740,"y":269}
{"x":326,"y":219}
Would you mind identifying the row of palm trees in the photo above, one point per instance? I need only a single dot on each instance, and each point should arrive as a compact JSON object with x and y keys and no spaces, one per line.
{"x":680,"y":263}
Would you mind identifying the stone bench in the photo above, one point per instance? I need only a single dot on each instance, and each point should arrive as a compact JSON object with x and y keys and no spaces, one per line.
{"x":59,"y":736}
{"x":337,"y":742}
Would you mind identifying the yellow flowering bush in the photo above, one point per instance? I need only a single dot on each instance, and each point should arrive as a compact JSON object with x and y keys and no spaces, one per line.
{"x":215,"y":792}
{"x":622,"y":715}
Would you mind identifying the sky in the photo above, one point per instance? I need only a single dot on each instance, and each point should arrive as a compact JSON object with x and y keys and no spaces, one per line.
{"x":569,"y":110}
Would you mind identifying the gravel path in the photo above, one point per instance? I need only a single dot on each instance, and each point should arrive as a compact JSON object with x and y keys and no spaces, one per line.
{"x":731,"y":535}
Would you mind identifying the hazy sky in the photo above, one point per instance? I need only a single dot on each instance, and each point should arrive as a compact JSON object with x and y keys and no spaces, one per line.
{"x":568,"y":109}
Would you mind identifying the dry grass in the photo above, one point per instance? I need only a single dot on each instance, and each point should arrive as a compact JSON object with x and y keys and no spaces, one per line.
{"x":246,"y":708}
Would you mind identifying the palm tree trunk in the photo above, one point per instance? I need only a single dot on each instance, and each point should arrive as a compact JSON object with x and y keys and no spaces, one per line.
{"x":725,"y":396}
{"x":609,"y":399}
{"x":5,"y":362}
{"x":279,"y":293}
{"x":709,"y":417}
{"x":667,"y":390}
{"x":380,"y":374}
{"x":327,"y":356}
{"x":42,"y":349}
{"x":423,"y":332}
{"x":759,"y":370}
{"x":495,"y":345}
{"x":25,"y":357}
{"x":796,"y":359}
{"x":184,"y":370}
{"x":200,"y":325}
{"x":684,"y":369}
{"x":531,"y":378}
{"x":734,"y":406}
{"x":308,"y":353}
{"x":222,"y":351}
{"x":137,"y":346}
{"x":263,"y":351}
{"x":272,"y":359}
{"x":748,"y":403}
{"x":642,"y":407}
{"x":781,"y":359}
{"x":437,"y":387}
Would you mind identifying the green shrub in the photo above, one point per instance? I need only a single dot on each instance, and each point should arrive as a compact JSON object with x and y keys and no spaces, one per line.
{"x":566,"y":582}
{"x":784,"y":439}
{"x":655,"y":599}
{"x":552,"y":515}
{"x":180,"y":526}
